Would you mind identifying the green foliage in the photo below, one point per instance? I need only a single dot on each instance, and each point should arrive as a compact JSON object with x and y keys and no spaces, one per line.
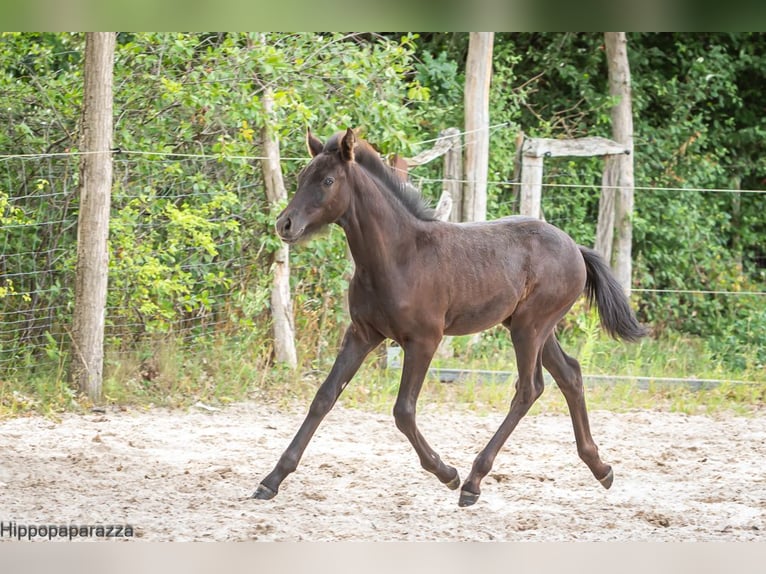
{"x":42,"y":72}
{"x":696,"y":241}
{"x":217,"y":371}
{"x":693,"y":100}
{"x":10,"y":216}
{"x":191,"y":238}
{"x":162,"y":254}
{"x":439,"y":78}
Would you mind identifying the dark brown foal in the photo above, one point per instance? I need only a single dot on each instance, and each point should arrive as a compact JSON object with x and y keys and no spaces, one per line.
{"x":417,"y":279}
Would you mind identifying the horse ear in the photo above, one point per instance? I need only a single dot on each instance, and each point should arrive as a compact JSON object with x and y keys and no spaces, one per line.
{"x":312,"y":142}
{"x":347,"y":145}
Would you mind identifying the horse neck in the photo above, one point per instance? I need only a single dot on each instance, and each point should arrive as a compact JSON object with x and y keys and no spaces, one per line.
{"x":379,"y":229}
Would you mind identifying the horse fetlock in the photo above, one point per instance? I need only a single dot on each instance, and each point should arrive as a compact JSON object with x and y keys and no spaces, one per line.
{"x":287,"y":464}
{"x":588,"y":453}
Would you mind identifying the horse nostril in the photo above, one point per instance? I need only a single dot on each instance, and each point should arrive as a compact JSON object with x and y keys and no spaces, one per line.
{"x":283,"y":224}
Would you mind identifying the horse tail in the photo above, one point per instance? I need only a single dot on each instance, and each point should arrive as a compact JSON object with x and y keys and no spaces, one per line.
{"x":601,"y":287}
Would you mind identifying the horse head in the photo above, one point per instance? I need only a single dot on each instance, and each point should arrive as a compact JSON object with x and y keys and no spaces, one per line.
{"x":324,"y":190}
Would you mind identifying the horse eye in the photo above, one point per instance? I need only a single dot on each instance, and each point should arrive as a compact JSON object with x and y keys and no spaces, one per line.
{"x":328,"y":181}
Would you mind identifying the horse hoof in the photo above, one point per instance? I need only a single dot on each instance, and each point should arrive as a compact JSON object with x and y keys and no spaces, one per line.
{"x":467,"y":498}
{"x":264,"y":493}
{"x":454,"y":483}
{"x":606,"y":482}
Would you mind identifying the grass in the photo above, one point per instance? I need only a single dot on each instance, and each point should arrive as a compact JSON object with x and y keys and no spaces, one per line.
{"x":221,"y":371}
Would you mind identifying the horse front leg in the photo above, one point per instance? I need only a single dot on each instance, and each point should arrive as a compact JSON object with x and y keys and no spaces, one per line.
{"x":417,"y":358}
{"x":354,"y":349}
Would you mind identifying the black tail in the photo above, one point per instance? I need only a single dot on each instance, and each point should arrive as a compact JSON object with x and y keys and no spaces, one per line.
{"x":601,"y":287}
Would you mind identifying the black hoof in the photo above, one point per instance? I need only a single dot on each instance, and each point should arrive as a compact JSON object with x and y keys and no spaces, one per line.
{"x":607,"y":481}
{"x":454,"y":483}
{"x":467,"y":498}
{"x":264,"y":493}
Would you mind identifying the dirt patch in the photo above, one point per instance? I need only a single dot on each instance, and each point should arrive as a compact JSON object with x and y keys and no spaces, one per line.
{"x":175,"y":475}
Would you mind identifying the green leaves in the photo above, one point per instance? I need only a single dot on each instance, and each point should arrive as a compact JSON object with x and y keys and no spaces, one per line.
{"x":164,"y":253}
{"x":192,"y":233}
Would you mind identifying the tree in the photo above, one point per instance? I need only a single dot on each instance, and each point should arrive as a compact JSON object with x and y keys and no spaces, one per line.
{"x":191,"y":235}
{"x":93,"y":221}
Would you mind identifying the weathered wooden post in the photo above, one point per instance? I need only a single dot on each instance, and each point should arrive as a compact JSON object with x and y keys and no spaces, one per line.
{"x":530,"y":194}
{"x":93,"y":220}
{"x":533,"y":151}
{"x":453,"y":172}
{"x":605,"y":225}
{"x":283,"y":326}
{"x":477,"y":82}
{"x":622,"y":132}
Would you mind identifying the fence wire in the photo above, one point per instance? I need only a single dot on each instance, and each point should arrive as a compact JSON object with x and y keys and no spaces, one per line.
{"x":203,"y":264}
{"x":163,"y":259}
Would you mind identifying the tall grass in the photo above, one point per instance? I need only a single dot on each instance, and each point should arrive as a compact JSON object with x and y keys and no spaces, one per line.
{"x":220,"y":370}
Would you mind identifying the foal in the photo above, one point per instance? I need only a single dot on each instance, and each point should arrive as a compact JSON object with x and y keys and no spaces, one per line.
{"x":417,"y":279}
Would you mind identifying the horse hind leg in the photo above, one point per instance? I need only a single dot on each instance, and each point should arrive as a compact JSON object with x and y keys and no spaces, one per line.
{"x":529,"y":387}
{"x":566,"y":372}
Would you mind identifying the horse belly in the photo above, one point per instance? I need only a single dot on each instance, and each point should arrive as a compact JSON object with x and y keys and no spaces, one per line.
{"x":473,"y":317}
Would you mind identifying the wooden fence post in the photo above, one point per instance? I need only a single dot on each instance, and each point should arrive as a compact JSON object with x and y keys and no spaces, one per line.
{"x":605,"y":226}
{"x":477,"y":83}
{"x":530,"y":195}
{"x":281,"y":301}
{"x":622,"y":130}
{"x":533,"y":150}
{"x":93,"y":220}
{"x":453,"y":173}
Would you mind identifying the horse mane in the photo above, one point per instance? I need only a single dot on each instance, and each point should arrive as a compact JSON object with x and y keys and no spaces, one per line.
{"x":367,"y":157}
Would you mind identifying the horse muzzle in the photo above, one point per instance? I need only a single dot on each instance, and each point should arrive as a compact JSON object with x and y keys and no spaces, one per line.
{"x":287,"y":229}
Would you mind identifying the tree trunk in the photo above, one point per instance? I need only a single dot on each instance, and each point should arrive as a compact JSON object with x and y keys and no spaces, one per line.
{"x":93,"y":220}
{"x":281,"y":302}
{"x":477,"y":80}
{"x":622,"y":131}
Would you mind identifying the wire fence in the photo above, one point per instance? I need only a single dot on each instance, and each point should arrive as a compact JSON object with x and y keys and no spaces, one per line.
{"x":177,"y":246}
{"x":189,"y":250}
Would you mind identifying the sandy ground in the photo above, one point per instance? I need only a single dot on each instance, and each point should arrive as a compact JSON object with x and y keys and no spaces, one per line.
{"x":187,"y":475}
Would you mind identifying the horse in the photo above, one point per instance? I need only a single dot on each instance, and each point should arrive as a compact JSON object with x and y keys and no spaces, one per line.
{"x":418,"y":278}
